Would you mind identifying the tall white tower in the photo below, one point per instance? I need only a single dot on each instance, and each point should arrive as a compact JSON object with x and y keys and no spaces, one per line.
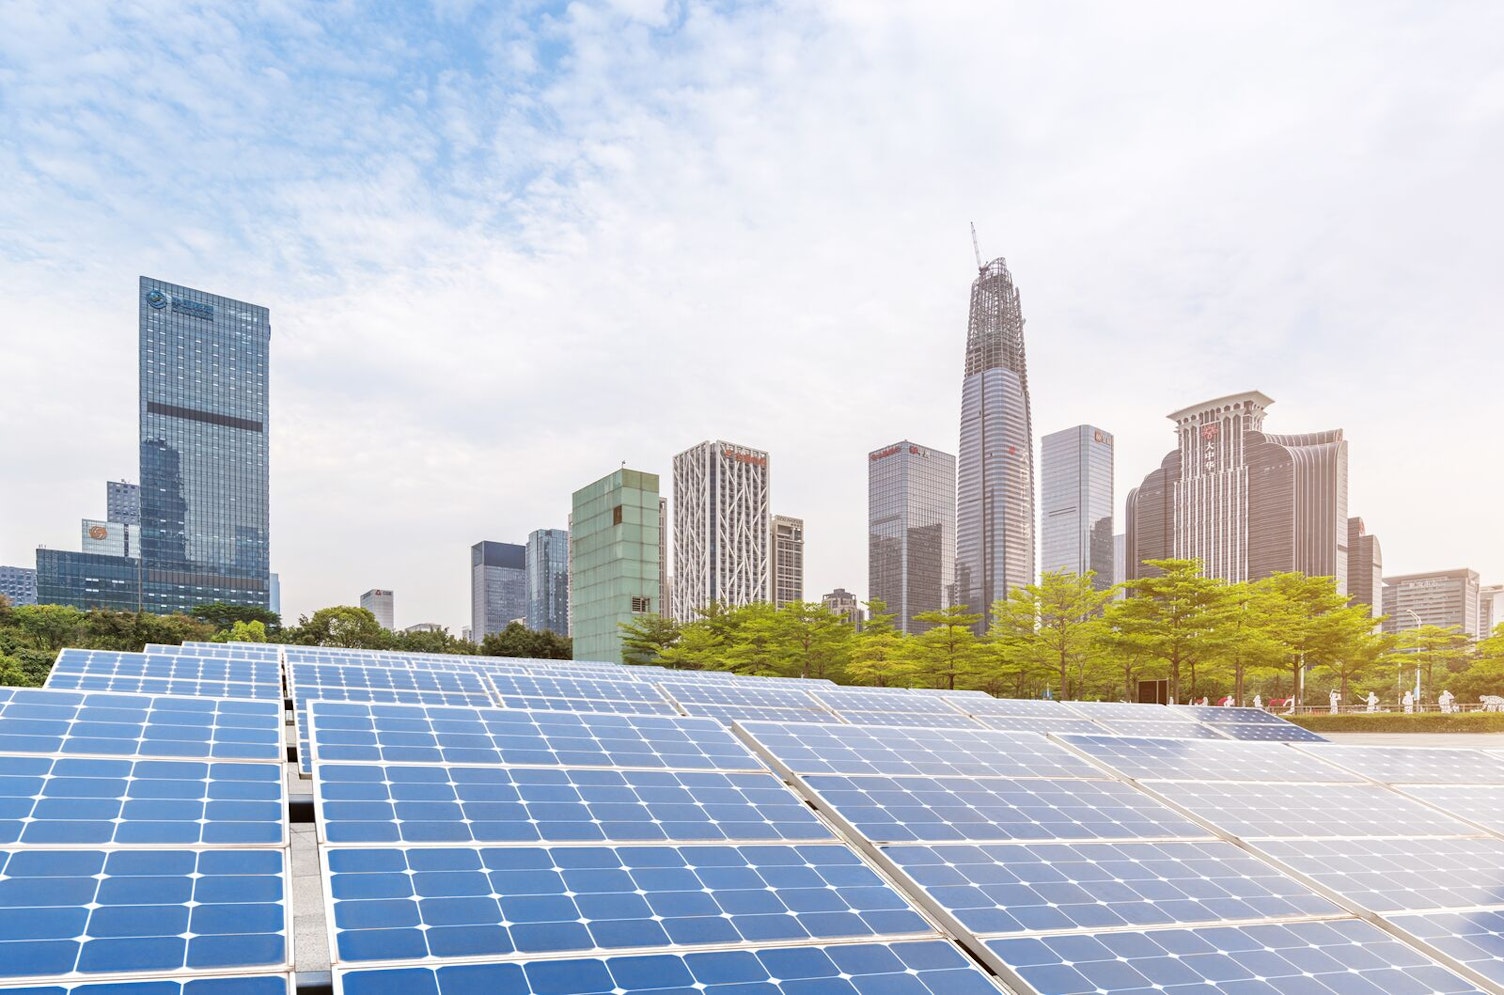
{"x":721,"y":539}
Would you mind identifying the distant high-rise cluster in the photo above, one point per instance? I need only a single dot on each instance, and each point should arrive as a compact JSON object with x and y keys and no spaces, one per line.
{"x":1445,"y":598}
{"x":380,"y":603}
{"x":1076,"y":506}
{"x":722,"y":527}
{"x":498,"y":587}
{"x":911,"y":531}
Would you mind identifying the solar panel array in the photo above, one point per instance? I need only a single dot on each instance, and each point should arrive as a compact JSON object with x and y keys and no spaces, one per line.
{"x":556,"y":827}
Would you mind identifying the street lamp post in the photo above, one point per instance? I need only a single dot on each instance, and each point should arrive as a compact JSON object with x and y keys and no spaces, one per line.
{"x":1399,"y":667}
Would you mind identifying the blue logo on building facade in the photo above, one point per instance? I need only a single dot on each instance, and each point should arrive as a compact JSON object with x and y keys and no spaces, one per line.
{"x":157,"y":299}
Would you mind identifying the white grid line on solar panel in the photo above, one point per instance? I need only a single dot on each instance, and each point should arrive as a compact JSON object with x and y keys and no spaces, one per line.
{"x":509,"y":903}
{"x":157,"y":674}
{"x":921,"y":720}
{"x":1047,"y":887}
{"x":595,"y":689}
{"x":1401,"y":875}
{"x":1282,"y":810}
{"x":587,"y":705}
{"x":804,"y":748}
{"x":91,"y":723}
{"x":1413,"y":764}
{"x":1131,"y":711}
{"x":689,"y":694}
{"x":421,"y":734}
{"x":93,"y":802}
{"x":995,"y":810}
{"x":1255,"y":731}
{"x":251,"y":651}
{"x":728,"y":714}
{"x":1480,"y":804}
{"x":1474,"y":937}
{"x":1321,"y":957}
{"x":913,"y":967}
{"x":198,"y":984}
{"x":1021,"y":723}
{"x":113,"y":913}
{"x":1023,"y":707}
{"x":371,"y":803}
{"x":1232,"y":713}
{"x":1159,"y":730}
{"x":1207,"y":760}
{"x":883,"y":700}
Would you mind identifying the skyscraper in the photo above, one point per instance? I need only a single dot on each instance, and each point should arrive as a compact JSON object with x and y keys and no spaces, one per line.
{"x":995,"y":471}
{"x":380,"y":603}
{"x":498,"y":587}
{"x":721,"y":520}
{"x":548,"y":581}
{"x":204,"y":470}
{"x":787,"y":570}
{"x":1244,"y":502}
{"x":911,"y":530}
{"x":18,"y":585}
{"x":842,"y":602}
{"x":122,"y":502}
{"x":1365,"y":568}
{"x":613,"y":560}
{"x":1076,"y":497}
{"x":1442,"y":597}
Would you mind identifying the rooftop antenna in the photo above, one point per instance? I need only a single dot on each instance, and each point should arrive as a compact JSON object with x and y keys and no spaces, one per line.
{"x":975,"y":247}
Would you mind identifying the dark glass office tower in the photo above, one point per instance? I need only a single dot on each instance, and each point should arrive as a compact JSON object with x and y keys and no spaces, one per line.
{"x":995,"y":469}
{"x":1075,"y":526}
{"x":204,"y":473}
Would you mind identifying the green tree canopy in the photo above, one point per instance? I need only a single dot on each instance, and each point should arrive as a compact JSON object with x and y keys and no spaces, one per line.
{"x":223,"y":616}
{"x":948,"y":655}
{"x":341,"y":625}
{"x":517,"y":640}
{"x":646,"y":638}
{"x":1054,"y":628}
{"x":877,"y":657}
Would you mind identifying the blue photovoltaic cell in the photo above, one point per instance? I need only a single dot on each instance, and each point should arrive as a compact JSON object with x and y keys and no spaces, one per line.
{"x":758,"y":693}
{"x":579,"y":694}
{"x":431,"y":735}
{"x":1284,"y":732}
{"x":1024,"y":723}
{"x":848,"y":699}
{"x":1217,"y":714}
{"x":1130,"y":711}
{"x":587,"y":705}
{"x":1038,"y":708}
{"x":128,"y":911}
{"x":260,"y":984}
{"x":1163,"y":730}
{"x":1479,"y":803}
{"x":368,"y":803}
{"x":76,"y":801}
{"x":925,"y":967}
{"x":454,"y":902}
{"x":1475,"y":938}
{"x":1018,"y":887}
{"x":176,"y":674}
{"x":817,"y":749}
{"x":727,"y":714}
{"x":36,"y":720}
{"x":1318,"y":810}
{"x":1203,"y":760}
{"x":1339,"y":957}
{"x":922,"y":720}
{"x":1416,"y":765}
{"x":953,"y":809}
{"x":1401,"y":875}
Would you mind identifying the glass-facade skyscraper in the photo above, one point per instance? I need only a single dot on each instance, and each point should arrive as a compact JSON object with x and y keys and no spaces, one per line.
{"x":205,"y":519}
{"x":1075,"y":522}
{"x":498,"y":587}
{"x":995,"y":469}
{"x":614,"y":532}
{"x":911,"y":530}
{"x":548,"y":581}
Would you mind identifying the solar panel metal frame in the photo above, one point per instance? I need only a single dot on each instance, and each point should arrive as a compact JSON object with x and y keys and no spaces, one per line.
{"x":1043,"y":726}
{"x":1233,"y":713}
{"x":218,"y":984}
{"x":1161,"y":759}
{"x":20,"y":721}
{"x":1267,"y":732}
{"x":1394,"y":867}
{"x":1481,"y":805}
{"x":1393,"y":764}
{"x":1160,"y":730}
{"x":1043,"y":708}
{"x":689,"y":695}
{"x":182,"y":674}
{"x":1131,"y":711}
{"x":1322,"y":804}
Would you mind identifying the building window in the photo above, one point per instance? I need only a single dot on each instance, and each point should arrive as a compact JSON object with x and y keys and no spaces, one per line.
{"x":616,"y":515}
{"x":641,"y":606}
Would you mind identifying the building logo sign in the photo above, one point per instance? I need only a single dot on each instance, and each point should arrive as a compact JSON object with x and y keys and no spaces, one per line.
{"x":1097,"y":435}
{"x":1209,"y":454}
{"x":98,"y":532}
{"x":157,"y":299}
{"x":741,"y":457}
{"x":883,"y":453}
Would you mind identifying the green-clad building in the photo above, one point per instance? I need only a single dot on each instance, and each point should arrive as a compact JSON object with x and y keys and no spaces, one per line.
{"x":614,"y":562}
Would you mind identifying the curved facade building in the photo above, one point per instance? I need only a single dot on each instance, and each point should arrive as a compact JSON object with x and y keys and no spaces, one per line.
{"x":995,"y":465}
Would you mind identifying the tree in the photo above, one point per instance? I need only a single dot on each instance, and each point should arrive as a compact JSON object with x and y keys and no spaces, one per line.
{"x":948,"y":653}
{"x":814,"y":641}
{"x":877,"y":656}
{"x":49,"y":627}
{"x":1169,"y":619}
{"x":645,"y":639}
{"x":1054,"y":626}
{"x":432,"y":641}
{"x":1431,"y":645}
{"x":1316,"y":627}
{"x":1242,"y":638}
{"x":517,"y":640}
{"x":245,"y":632}
{"x":223,"y":615}
{"x":756,"y":644}
{"x":341,"y":625}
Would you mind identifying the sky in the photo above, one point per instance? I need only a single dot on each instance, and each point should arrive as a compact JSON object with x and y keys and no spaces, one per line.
{"x":508,"y":247}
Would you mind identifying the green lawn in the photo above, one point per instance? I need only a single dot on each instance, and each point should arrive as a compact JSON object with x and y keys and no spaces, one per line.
{"x":1400,"y":722}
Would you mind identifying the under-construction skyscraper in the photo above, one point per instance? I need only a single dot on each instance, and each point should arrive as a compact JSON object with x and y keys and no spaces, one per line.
{"x":995,"y":468}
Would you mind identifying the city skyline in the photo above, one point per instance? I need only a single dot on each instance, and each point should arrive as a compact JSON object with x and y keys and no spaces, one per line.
{"x":1179,"y":233}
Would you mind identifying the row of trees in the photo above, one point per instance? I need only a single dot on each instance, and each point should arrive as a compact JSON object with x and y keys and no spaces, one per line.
{"x":1285,"y":635}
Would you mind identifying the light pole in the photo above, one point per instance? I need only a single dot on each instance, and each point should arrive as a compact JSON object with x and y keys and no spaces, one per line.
{"x":1398,"y":667}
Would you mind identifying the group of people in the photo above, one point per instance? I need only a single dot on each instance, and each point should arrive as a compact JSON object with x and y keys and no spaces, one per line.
{"x":1410,"y":702}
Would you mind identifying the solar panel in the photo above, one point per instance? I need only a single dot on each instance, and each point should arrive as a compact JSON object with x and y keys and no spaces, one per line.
{"x":1401,"y":875}
{"x":922,"y":967}
{"x":579,"y":694}
{"x":71,"y":801}
{"x":1132,"y":711}
{"x":727,"y":714}
{"x":1019,"y":887}
{"x":121,"y":912}
{"x":816,"y":749}
{"x":1024,"y":707}
{"x":396,"y":904}
{"x":239,"y":984}
{"x":368,"y":803}
{"x":1024,"y":723}
{"x":1482,"y":804}
{"x":843,"y":699}
{"x":1314,"y":810}
{"x":37,"y":720}
{"x":177,"y":674}
{"x":1474,"y":938}
{"x":1415,"y":764}
{"x":1337,"y":957}
{"x":1217,"y":714}
{"x":362,"y":732}
{"x":953,"y":809}
{"x":1285,"y":732}
{"x":690,"y":694}
{"x":924,"y":720}
{"x":1203,"y":760}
